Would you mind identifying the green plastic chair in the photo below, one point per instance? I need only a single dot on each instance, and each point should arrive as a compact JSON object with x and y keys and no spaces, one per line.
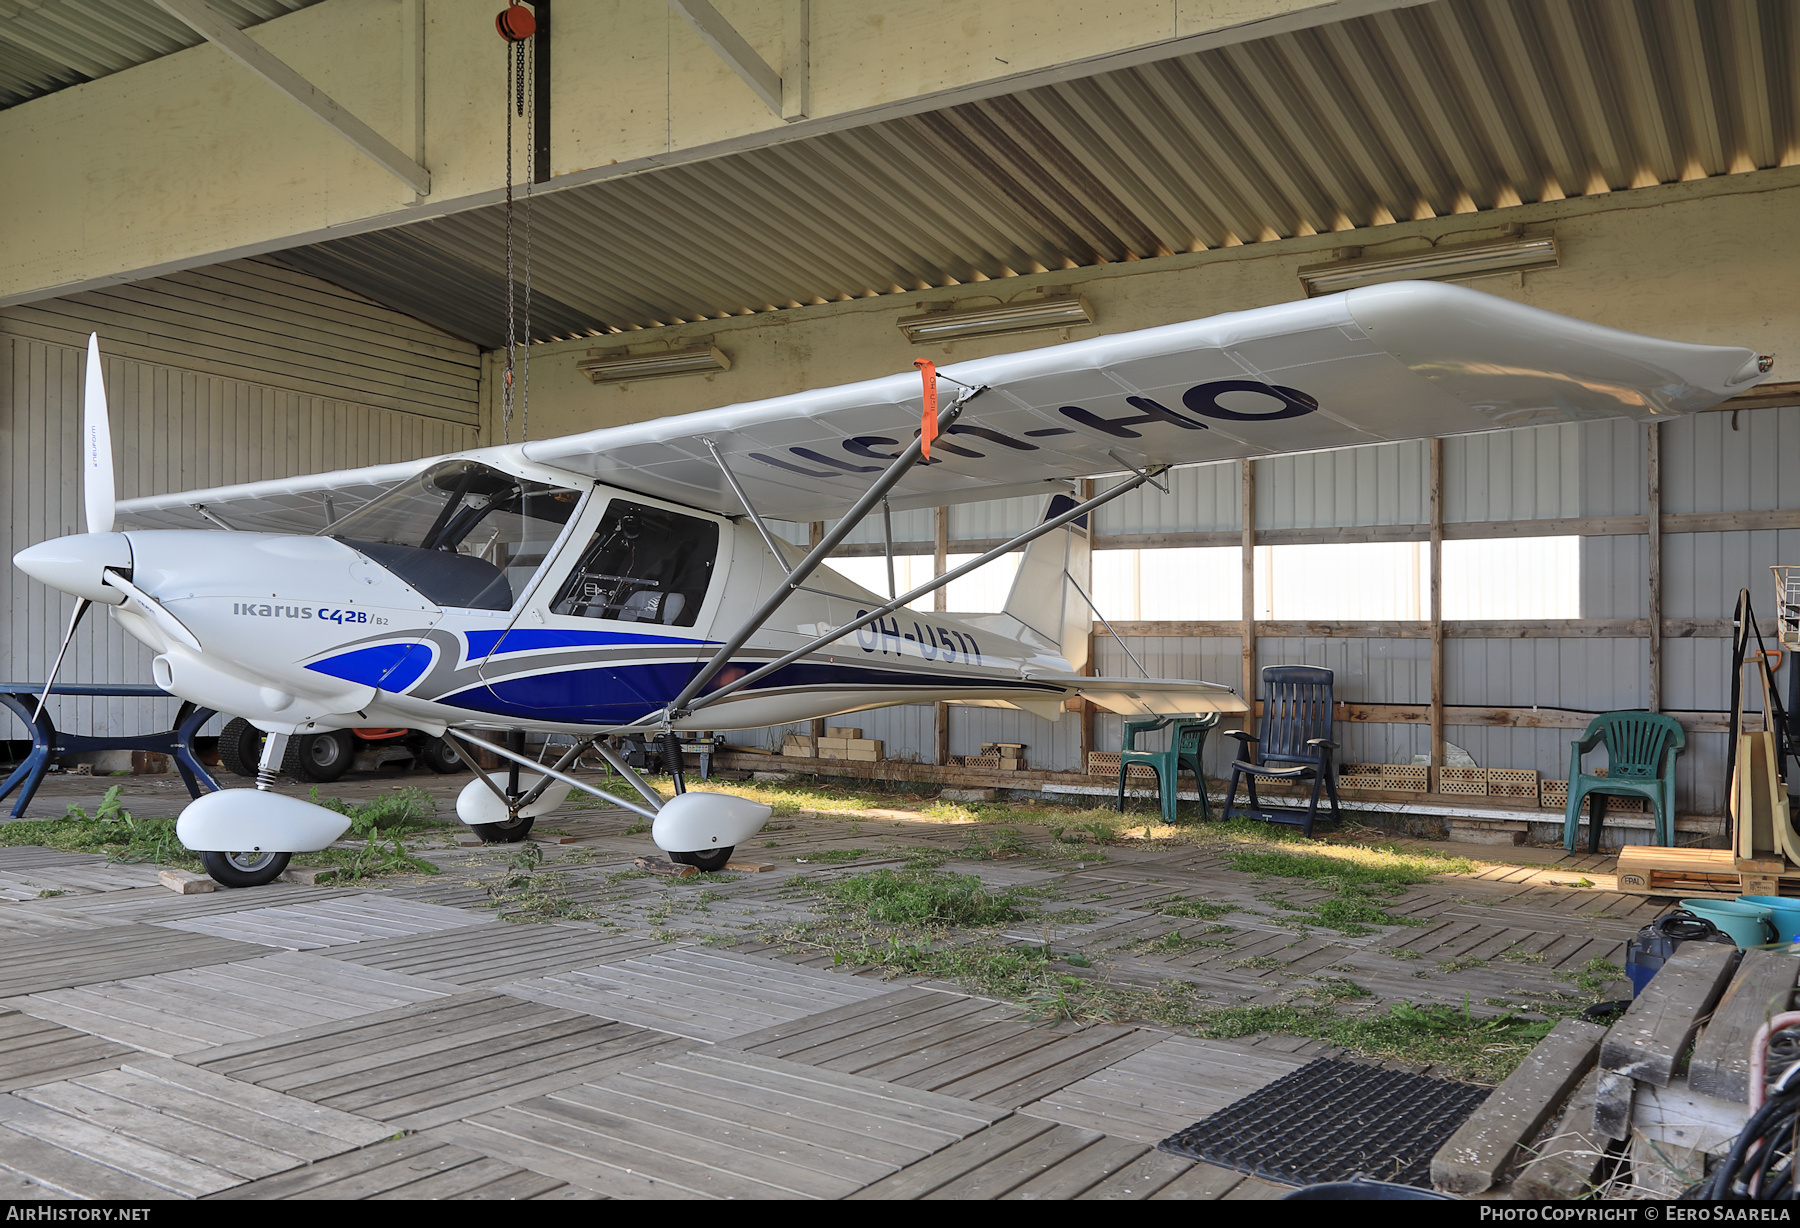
{"x":1641,"y":749}
{"x":1185,"y":745}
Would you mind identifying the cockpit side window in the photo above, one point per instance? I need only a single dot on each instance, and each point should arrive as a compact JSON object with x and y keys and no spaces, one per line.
{"x":462,"y":533}
{"x":643,"y":565}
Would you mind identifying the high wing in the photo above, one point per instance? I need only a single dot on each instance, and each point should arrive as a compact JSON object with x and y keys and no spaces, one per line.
{"x":1398,"y":361}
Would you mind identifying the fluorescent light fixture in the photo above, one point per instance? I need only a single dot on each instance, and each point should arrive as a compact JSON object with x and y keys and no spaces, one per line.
{"x":618,"y":368}
{"x":1061,"y":312}
{"x":1512,"y":254}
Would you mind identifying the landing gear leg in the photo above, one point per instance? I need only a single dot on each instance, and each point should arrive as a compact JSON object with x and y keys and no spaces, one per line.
{"x":253,"y":867}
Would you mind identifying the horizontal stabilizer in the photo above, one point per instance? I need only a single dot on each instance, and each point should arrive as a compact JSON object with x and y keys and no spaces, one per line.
{"x":1148,"y":696}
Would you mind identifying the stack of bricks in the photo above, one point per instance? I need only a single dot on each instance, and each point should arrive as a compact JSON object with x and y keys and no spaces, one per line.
{"x":838,"y":743}
{"x":1011,"y":755}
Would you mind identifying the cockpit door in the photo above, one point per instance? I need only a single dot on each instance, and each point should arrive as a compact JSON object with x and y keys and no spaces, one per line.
{"x":619,"y":622}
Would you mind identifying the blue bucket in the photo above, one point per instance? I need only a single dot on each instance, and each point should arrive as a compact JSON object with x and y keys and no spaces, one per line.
{"x":1786,"y":914}
{"x":1750,"y":925}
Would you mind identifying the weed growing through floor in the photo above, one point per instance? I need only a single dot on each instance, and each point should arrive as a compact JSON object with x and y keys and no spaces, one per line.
{"x":524,"y":894}
{"x":1176,"y":943}
{"x":111,"y":831}
{"x":407,"y":809}
{"x":929,"y":899}
{"x":1190,"y":909}
{"x":1357,"y":875}
{"x":834,"y":855}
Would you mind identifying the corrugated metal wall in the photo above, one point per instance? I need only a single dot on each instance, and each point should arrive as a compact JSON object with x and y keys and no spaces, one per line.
{"x":1537,"y":473}
{"x":232,"y":374}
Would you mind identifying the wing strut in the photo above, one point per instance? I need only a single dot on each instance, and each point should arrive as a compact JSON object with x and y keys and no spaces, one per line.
{"x":837,"y":633}
{"x":897,"y":469}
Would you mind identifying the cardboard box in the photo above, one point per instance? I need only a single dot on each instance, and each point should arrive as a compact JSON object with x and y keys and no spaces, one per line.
{"x":826,"y":744}
{"x":863,"y":756}
{"x":834,"y":732}
{"x":873,"y":744}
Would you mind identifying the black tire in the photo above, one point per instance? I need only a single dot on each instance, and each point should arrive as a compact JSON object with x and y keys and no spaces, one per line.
{"x":244,"y":869}
{"x":504,"y":833}
{"x":240,"y":746}
{"x":440,"y":758}
{"x":323,"y":757}
{"x":706,"y":859}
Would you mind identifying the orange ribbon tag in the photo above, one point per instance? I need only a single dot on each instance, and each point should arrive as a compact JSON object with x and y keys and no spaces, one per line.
{"x":928,"y":422}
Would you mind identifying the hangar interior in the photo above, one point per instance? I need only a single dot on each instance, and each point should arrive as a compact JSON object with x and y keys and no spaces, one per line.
{"x":278,"y":294}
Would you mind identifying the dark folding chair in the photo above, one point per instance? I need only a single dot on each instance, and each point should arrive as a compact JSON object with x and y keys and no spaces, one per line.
{"x":1293,"y":743}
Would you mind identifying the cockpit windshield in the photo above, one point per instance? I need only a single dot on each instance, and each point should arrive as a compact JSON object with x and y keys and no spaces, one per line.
{"x":462,"y":533}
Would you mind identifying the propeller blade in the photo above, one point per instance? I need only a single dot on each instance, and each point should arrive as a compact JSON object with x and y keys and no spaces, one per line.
{"x":81,"y":607}
{"x":96,"y":450}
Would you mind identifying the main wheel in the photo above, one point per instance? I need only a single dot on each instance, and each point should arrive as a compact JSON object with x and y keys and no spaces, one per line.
{"x":504,"y":833}
{"x":240,"y":746}
{"x":440,"y":758}
{"x":324,"y":757}
{"x":705,"y":859}
{"x":244,"y":869}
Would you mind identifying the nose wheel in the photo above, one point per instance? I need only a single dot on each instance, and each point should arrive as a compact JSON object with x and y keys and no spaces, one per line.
{"x":504,"y":833}
{"x":244,"y":869}
{"x":705,"y":859}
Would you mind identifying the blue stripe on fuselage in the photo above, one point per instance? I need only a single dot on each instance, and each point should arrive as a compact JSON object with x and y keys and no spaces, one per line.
{"x":616,"y":694}
{"x":530,"y":639}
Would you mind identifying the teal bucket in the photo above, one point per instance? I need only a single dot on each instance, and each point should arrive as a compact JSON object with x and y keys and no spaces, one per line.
{"x":1750,"y":925}
{"x":1786,"y":912}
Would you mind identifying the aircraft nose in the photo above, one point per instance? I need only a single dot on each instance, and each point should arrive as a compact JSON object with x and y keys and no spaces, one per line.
{"x":76,"y":564}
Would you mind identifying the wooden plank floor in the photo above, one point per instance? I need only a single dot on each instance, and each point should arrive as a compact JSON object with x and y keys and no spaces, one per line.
{"x":399,"y":1039}
{"x":1171,"y":1085}
{"x":411,"y":1168}
{"x":961,"y":1046}
{"x":724,"y":1125}
{"x":330,"y":923}
{"x":160,"y":1129}
{"x":425,"y":1065}
{"x":489,"y":957}
{"x":695,"y":992}
{"x":34,"y":1050}
{"x":198,"y":1008}
{"x":84,"y":956}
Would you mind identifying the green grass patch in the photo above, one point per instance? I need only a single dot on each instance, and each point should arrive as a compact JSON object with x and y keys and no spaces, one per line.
{"x":834,"y":855}
{"x":111,"y":831}
{"x":1191,"y":909}
{"x":408,"y":809}
{"x":930,"y":899}
{"x":1357,"y":865}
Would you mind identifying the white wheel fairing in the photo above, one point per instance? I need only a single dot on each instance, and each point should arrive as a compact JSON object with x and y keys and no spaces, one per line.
{"x":698,"y":822}
{"x":477,"y":805}
{"x":249,"y":821}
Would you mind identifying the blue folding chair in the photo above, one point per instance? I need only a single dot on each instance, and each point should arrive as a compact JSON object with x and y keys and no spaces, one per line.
{"x":1293,"y":743}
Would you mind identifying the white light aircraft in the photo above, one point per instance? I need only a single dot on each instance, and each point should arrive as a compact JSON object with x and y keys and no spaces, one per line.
{"x":626,"y":580}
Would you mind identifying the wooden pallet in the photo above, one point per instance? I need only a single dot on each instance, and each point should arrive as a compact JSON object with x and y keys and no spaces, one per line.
{"x":1648,"y":870}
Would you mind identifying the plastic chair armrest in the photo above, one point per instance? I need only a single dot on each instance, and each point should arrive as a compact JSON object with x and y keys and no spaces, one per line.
{"x":1242,"y":735}
{"x":1327,"y":743}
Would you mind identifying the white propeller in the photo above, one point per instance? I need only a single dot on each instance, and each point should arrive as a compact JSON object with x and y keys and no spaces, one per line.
{"x":96,"y":446}
{"x":96,"y":490}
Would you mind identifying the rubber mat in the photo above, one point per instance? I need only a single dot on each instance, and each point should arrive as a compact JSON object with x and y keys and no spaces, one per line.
{"x":1330,"y":1120}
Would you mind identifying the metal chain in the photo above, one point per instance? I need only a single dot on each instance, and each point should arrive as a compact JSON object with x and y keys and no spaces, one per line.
{"x":529,"y":114}
{"x":506,"y":387}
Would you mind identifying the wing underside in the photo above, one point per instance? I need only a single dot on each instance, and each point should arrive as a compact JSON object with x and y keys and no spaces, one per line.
{"x":1399,"y":361}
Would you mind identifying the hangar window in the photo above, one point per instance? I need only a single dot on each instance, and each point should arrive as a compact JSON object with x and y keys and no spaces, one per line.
{"x":1511,"y":578}
{"x":1501,"y":579}
{"x":1197,"y":583}
{"x":870,"y":572}
{"x":644,"y":565}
